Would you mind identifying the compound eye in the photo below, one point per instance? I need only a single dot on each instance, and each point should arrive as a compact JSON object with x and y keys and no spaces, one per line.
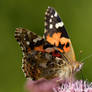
{"x":78,"y":67}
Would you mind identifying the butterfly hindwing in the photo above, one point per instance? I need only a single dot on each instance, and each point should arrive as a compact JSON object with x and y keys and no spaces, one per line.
{"x":27,"y":39}
{"x":29,"y":42}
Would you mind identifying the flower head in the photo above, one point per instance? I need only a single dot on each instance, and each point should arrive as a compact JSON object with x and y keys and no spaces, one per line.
{"x":75,"y":86}
{"x":44,"y":85}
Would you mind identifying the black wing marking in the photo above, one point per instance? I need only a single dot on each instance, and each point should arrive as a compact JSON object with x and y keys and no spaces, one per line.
{"x":53,"y":23}
{"x":27,"y":39}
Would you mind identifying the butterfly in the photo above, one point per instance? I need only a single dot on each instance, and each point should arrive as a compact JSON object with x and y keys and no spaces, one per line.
{"x":49,"y":56}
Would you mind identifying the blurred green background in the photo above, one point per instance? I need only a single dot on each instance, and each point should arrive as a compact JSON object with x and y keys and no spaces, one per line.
{"x":77,"y":17}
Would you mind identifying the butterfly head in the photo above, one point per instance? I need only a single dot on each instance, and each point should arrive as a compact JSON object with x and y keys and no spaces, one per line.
{"x":77,"y":66}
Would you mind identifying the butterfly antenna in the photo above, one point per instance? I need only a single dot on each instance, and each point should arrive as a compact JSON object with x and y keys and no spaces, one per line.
{"x":86,"y":58}
{"x":81,"y":69}
{"x":82,"y":74}
{"x":80,"y":53}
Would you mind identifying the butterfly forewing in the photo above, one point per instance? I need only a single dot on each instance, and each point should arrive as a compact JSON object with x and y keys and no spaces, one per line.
{"x":55,"y":33}
{"x":53,"y":23}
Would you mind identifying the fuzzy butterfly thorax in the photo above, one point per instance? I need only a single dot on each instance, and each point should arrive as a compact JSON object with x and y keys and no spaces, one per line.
{"x":49,"y":56}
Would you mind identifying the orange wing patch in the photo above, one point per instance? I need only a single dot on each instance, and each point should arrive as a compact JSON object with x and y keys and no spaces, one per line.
{"x":54,"y":40}
{"x":29,"y":49}
{"x":39,"y":48}
{"x":66,"y":43}
{"x":60,"y":50}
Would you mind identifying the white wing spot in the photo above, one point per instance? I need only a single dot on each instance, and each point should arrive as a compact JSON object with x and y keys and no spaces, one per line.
{"x":22,"y":48}
{"x":60,"y":24}
{"x":17,"y":34}
{"x":43,"y":36}
{"x":45,"y":13}
{"x":45,"y":23}
{"x":55,"y":14}
{"x":28,"y":32}
{"x":51,"y":16}
{"x":22,"y":61}
{"x":27,"y":42}
{"x":51,"y":26}
{"x":48,"y":7}
{"x":37,"y":39}
{"x":45,"y":31}
{"x":23,"y":53}
{"x":50,"y":20}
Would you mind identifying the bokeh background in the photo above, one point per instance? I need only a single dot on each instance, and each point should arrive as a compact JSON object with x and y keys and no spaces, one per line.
{"x":77,"y":17}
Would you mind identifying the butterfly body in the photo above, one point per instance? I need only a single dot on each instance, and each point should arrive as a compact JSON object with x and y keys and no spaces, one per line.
{"x":49,"y":56}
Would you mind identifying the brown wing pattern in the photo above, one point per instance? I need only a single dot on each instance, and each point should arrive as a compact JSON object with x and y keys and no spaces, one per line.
{"x":37,"y":64}
{"x":42,"y":65}
{"x":28,"y":41}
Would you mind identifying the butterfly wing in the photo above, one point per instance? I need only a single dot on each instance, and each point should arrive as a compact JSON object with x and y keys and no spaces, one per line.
{"x":29,"y":42}
{"x":38,"y":61}
{"x":37,"y":64}
{"x":55,"y":34}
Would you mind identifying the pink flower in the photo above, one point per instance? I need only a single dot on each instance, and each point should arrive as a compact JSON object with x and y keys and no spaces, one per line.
{"x":44,"y":85}
{"x":76,"y":86}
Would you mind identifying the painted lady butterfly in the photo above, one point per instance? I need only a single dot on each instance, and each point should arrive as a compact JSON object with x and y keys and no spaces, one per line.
{"x":49,"y":56}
